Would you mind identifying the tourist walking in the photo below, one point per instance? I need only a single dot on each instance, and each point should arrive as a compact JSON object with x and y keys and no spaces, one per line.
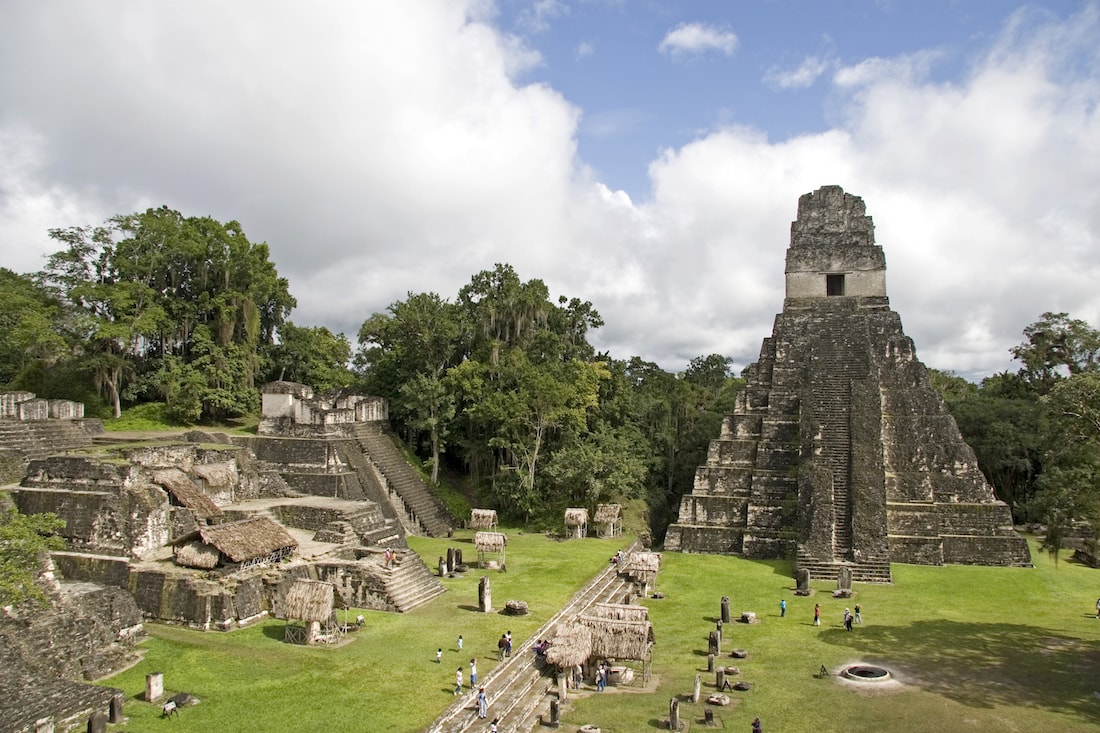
{"x":493,"y":725}
{"x":757,"y":726}
{"x":782,"y":608}
{"x":460,"y":642}
{"x":439,"y":655}
{"x":502,"y":644}
{"x":482,"y":704}
{"x":508,"y":645}
{"x":473,"y":673}
{"x":859,"y":617}
{"x":847,"y":619}
{"x":458,"y":681}
{"x":817,"y":614}
{"x":1098,"y":608}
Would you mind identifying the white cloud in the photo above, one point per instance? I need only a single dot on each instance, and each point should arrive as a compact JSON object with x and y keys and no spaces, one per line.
{"x":689,"y":39}
{"x":390,"y":149}
{"x":585,"y":49}
{"x":908,"y":68}
{"x":800,"y":77}
{"x":536,"y":19}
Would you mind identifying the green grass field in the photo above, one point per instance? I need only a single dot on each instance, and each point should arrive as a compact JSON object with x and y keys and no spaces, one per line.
{"x":975,"y":649}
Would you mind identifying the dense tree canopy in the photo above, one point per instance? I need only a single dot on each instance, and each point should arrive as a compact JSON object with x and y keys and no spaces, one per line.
{"x":171,"y":307}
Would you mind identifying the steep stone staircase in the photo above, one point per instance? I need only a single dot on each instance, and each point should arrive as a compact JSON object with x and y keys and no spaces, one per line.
{"x":409,"y":583}
{"x":423,"y":509}
{"x":834,"y":366}
{"x":836,"y":363}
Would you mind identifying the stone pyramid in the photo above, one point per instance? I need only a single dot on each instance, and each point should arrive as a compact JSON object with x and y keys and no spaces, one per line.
{"x":840,"y":452}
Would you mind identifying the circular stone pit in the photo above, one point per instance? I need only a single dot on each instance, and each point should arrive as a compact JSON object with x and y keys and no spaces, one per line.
{"x":867,"y":673}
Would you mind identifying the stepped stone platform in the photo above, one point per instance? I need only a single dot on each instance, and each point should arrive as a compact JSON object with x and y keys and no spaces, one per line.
{"x":840,"y":452}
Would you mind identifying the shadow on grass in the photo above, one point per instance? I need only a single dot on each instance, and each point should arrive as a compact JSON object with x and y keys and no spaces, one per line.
{"x":985,"y":665}
{"x":275,"y":631}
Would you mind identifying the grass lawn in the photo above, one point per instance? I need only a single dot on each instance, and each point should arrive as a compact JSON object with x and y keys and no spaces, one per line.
{"x":386,"y":679}
{"x":976,"y":649}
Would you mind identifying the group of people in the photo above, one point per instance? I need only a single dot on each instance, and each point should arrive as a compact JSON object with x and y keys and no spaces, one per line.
{"x":603,"y":672}
{"x":540,"y":647}
{"x":504,"y":646}
{"x":849,"y":616}
{"x":389,"y":557}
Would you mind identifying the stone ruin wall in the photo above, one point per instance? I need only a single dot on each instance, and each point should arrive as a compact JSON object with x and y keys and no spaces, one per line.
{"x":27,"y":406}
{"x":115,"y":515}
{"x":292,"y":409}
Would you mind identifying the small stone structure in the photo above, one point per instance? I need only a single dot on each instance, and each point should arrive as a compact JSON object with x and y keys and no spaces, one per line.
{"x":26,"y":406}
{"x":840,"y":451}
{"x":289,"y":408}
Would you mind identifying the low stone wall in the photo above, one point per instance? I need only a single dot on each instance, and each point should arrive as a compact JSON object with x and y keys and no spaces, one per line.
{"x":357,"y":583}
{"x":714,"y":540}
{"x":342,"y":485}
{"x":702,"y":509}
{"x":102,"y":569}
{"x":916,"y":550}
{"x":1003,"y":551}
{"x":305,"y":517}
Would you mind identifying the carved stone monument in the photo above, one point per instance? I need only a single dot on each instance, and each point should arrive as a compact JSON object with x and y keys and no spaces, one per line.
{"x":154,"y":686}
{"x":840,"y":452}
{"x":844,"y":578}
{"x":802,"y":580}
{"x":725,"y":609}
{"x":484,"y":595}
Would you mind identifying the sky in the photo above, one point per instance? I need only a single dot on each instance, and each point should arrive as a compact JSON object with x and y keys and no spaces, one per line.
{"x":643,"y":155}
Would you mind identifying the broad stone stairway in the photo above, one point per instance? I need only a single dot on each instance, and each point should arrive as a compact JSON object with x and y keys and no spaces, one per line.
{"x":518,"y":688}
{"x":43,"y":438}
{"x":422,"y":507}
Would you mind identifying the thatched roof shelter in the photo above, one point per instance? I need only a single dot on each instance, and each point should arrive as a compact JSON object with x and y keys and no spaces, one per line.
{"x":614,"y":639}
{"x":570,"y":646}
{"x":619,"y":612}
{"x":256,"y":539}
{"x":610,"y":517}
{"x":576,"y":517}
{"x":483,"y":519}
{"x":197,"y":555}
{"x":490,"y":543}
{"x":642,"y":566}
{"x":310,"y":600}
{"x":314,"y":603}
{"x":186,"y":493}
